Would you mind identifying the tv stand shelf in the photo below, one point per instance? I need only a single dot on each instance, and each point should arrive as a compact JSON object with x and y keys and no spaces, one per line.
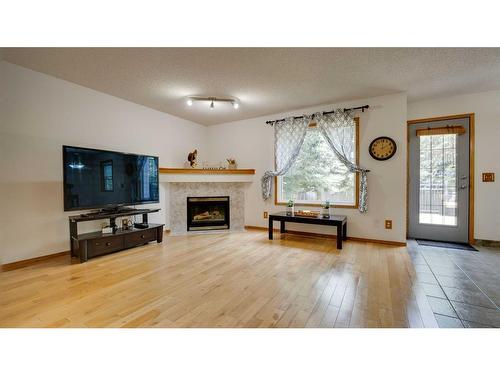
{"x":112,"y":215}
{"x":90,"y":245}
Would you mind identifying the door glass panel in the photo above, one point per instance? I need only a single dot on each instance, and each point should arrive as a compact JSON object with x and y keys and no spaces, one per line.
{"x":438,"y":180}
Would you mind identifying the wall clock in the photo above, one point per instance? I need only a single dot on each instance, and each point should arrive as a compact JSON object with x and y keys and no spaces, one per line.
{"x":382,"y":148}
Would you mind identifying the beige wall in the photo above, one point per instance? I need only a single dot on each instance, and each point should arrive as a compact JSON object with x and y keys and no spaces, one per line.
{"x":38,"y":114}
{"x":486,"y":106}
{"x":251,"y":143}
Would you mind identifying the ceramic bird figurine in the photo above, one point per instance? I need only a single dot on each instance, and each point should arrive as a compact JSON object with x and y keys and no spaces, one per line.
{"x":192,"y":158}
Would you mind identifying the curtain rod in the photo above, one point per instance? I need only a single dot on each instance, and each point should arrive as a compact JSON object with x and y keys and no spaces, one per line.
{"x":363,"y":107}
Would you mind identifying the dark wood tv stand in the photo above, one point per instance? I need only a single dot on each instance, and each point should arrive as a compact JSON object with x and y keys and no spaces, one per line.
{"x":90,"y":245}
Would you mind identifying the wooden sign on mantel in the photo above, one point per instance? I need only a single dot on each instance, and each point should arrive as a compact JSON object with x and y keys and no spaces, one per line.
{"x":206,"y":171}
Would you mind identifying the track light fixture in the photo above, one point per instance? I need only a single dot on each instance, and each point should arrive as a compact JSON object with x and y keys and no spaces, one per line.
{"x":212,"y":99}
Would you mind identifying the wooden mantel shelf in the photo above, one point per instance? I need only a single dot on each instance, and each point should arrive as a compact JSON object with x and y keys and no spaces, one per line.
{"x":205,"y":171}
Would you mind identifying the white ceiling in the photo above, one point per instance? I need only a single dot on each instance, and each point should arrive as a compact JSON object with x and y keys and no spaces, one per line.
{"x":266,"y":80}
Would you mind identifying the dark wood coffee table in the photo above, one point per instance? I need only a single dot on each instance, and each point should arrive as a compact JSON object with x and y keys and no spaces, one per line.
{"x":335,"y":220}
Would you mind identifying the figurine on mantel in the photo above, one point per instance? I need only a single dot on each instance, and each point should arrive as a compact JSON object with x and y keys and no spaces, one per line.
{"x":231,"y":163}
{"x":192,"y":158}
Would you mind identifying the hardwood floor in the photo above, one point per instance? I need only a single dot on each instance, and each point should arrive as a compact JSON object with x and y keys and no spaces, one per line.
{"x":222,"y":280}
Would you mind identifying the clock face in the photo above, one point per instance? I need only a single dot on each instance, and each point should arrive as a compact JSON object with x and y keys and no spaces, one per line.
{"x":382,"y":148}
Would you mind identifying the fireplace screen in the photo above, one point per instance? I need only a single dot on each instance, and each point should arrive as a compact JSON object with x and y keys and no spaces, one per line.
{"x":205,"y":213}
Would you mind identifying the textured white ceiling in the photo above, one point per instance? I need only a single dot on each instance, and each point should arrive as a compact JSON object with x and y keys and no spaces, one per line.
{"x":266,"y":80}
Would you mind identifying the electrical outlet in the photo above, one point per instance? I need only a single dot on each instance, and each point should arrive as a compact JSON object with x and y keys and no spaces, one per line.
{"x":388,"y":224}
{"x":265,"y":214}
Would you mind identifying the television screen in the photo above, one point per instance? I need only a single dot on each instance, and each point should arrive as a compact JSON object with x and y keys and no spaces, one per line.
{"x":100,"y":178}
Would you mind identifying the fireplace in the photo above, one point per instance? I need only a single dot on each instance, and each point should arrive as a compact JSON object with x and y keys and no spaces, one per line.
{"x":207,"y":213}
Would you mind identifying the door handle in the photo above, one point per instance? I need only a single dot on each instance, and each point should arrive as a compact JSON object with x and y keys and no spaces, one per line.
{"x":463,"y":177}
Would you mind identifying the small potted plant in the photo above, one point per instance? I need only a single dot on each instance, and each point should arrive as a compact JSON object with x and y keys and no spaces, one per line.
{"x":325,"y":210}
{"x":289,"y":208}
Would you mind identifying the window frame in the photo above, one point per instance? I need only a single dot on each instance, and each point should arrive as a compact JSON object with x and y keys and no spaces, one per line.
{"x":356,"y":179}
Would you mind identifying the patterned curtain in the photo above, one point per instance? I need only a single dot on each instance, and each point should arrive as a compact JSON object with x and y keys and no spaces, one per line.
{"x":289,"y":135}
{"x":339,"y":129}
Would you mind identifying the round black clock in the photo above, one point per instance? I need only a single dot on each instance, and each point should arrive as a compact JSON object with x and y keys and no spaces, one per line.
{"x":382,"y":148}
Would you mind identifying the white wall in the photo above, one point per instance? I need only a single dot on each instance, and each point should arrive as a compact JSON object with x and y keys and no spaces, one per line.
{"x":486,"y":106}
{"x":38,"y":114}
{"x":251,"y":143}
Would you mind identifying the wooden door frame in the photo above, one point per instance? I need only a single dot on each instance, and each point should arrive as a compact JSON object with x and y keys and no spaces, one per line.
{"x":471,"y":118}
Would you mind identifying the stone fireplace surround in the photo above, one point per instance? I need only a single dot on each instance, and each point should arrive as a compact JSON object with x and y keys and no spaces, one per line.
{"x":180,"y":191}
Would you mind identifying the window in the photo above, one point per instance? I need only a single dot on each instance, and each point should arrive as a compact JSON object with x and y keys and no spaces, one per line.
{"x":107,"y":175}
{"x":318,"y":176}
{"x":438,"y":180}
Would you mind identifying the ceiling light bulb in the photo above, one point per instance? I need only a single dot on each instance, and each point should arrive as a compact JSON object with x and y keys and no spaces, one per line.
{"x":189,"y":102}
{"x":212,"y":105}
{"x":236,"y":105}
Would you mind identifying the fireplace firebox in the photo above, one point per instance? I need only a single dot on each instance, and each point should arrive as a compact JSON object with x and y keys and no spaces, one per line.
{"x":207,"y":213}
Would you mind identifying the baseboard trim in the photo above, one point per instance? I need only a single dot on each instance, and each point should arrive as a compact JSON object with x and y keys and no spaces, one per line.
{"x":487,"y":243}
{"x":331,"y":236}
{"x":31,"y":261}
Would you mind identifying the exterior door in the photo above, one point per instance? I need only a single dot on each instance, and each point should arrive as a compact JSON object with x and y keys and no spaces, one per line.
{"x":439,"y":180}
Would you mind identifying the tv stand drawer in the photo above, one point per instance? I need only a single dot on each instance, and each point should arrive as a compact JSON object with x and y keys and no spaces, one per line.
{"x":140,"y":237}
{"x":105,"y":245}
{"x":90,"y":245}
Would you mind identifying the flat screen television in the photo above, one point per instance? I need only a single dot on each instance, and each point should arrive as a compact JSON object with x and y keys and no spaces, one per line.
{"x":108,"y":179}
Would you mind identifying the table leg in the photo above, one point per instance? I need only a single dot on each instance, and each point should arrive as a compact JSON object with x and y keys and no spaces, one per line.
{"x":159,"y":234}
{"x":344,"y":232}
{"x":339,"y":236}
{"x":282,"y":226}
{"x":73,"y":232}
{"x":270,"y":229}
{"x":83,"y":251}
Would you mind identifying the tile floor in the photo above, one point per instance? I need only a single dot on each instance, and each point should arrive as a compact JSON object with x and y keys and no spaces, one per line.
{"x":462,"y":287}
